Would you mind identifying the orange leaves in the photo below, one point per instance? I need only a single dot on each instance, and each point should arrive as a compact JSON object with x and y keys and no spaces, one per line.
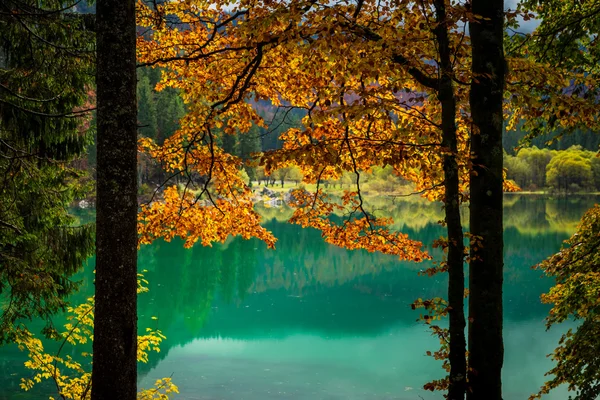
{"x":200,"y":220}
{"x":301,"y":54}
{"x":357,"y":231}
{"x":510,"y":186}
{"x":348,"y":66}
{"x":370,"y":235}
{"x":213,"y":203}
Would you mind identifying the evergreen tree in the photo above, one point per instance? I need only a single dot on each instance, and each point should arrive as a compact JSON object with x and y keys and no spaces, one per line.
{"x":46,"y":70}
{"x":147,"y":114}
{"x":249,"y":143}
{"x":229,"y":143}
{"x":280,"y":122}
{"x":557,"y":140}
{"x":171,"y":109}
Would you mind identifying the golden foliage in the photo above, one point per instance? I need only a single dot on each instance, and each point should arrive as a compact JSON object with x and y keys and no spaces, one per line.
{"x":367,"y":74}
{"x":71,"y":376}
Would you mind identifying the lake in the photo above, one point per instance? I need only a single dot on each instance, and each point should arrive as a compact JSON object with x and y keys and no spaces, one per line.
{"x":312,"y":321}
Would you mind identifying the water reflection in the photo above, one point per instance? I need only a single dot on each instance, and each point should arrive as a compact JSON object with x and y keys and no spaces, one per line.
{"x":312,"y":321}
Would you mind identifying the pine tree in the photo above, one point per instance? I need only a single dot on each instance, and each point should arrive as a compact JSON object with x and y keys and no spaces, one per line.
{"x":229,"y":143}
{"x":171,"y":109}
{"x":249,"y":143}
{"x":147,"y":107}
{"x":46,"y":70}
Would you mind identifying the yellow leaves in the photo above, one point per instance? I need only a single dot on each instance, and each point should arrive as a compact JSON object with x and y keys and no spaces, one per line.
{"x":71,"y":385}
{"x":141,"y":282}
{"x":146,"y":145}
{"x":26,"y":384}
{"x":509,"y":185}
{"x":162,"y":388}
{"x":436,"y":309}
{"x":147,"y":343}
{"x":70,"y":377}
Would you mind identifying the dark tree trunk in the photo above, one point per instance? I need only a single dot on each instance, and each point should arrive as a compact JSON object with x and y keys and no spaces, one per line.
{"x":114,"y":372}
{"x":486,"y":351}
{"x":455,"y":261}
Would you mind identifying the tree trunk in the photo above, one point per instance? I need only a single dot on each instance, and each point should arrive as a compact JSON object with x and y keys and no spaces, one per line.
{"x":455,"y":261}
{"x":114,"y":372}
{"x":486,"y":351}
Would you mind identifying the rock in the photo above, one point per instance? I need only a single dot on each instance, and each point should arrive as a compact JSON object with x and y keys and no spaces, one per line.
{"x":84,"y":204}
{"x":269,"y":193}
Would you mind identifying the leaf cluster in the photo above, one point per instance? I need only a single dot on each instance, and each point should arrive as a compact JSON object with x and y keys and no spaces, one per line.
{"x":72,"y":376}
{"x":576,"y":294}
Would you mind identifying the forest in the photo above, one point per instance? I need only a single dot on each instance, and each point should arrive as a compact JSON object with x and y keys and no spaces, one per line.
{"x":301,"y":199}
{"x":576,"y":170}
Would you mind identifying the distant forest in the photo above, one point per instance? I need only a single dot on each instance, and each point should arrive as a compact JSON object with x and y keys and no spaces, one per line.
{"x":567,"y":164}
{"x":533,"y":167}
{"x":588,"y":140}
{"x":159,"y":113}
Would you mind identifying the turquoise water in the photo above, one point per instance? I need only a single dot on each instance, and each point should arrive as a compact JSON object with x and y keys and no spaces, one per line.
{"x":312,"y":321}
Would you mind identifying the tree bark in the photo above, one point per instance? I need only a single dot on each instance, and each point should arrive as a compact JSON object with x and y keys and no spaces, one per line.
{"x":455,"y":260}
{"x":486,"y":350}
{"x":114,"y":372}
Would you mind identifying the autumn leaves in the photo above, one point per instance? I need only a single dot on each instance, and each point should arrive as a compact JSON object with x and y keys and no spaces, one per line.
{"x":344,"y":72}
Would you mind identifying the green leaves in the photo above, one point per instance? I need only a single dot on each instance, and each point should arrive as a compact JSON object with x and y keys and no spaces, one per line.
{"x":576,"y":294}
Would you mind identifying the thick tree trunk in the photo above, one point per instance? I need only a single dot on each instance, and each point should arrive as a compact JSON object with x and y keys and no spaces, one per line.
{"x":114,"y":372}
{"x":486,"y":351}
{"x":456,"y":276}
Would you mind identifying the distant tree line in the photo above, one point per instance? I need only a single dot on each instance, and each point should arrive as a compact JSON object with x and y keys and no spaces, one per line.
{"x":572,"y":170}
{"x":556,"y":140}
